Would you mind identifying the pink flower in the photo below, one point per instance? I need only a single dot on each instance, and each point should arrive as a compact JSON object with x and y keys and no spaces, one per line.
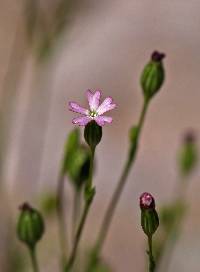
{"x":147,"y":201}
{"x":95,"y":111}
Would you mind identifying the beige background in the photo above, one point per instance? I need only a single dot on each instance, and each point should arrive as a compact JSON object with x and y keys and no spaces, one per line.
{"x":105,"y":46}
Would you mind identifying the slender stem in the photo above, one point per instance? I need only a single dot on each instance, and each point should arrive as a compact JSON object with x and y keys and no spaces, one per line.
{"x":89,"y":181}
{"x":34,"y":259}
{"x":61,"y":219}
{"x":121,"y":183}
{"x":150,"y":253}
{"x":77,"y":237}
{"x":76,"y":211}
{"x":88,"y":202}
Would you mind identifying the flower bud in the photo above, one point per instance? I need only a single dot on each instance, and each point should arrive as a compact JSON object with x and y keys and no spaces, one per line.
{"x":93,"y":134}
{"x":149,"y":216}
{"x":30,"y":227}
{"x":153,"y":75}
{"x":188,"y":153}
{"x":71,"y":145}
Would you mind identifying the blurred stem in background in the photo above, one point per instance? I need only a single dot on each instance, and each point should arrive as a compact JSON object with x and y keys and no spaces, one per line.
{"x":151,"y":81}
{"x":9,"y":94}
{"x":62,"y":230}
{"x":172,"y":215}
{"x":76,"y":212}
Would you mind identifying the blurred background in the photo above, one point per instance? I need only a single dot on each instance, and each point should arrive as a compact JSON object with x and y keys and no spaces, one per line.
{"x":51,"y":51}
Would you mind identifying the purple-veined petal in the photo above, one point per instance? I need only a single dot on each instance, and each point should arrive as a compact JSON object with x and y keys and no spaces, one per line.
{"x":101,"y":120}
{"x":73,"y":106}
{"x":81,"y":121}
{"x":93,"y":99}
{"x":106,"y":105}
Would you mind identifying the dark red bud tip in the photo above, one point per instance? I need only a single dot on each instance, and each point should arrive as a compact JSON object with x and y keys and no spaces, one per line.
{"x":157,"y":56}
{"x":189,"y":137}
{"x":147,"y":201}
{"x":25,"y":207}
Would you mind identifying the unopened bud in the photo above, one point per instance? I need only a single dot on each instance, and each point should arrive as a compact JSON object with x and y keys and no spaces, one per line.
{"x":93,"y":134}
{"x":30,"y":227}
{"x":153,"y":75}
{"x":149,"y":216}
{"x":188,"y":153}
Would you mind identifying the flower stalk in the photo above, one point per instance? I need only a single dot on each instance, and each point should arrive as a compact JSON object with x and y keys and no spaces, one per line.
{"x":150,"y":253}
{"x":34,"y":259}
{"x":122,"y":181}
{"x":151,"y":80}
{"x":89,"y":194}
{"x":93,"y":119}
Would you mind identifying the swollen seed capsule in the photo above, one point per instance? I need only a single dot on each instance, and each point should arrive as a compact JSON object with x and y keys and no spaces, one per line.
{"x":153,"y":75}
{"x":30,"y":227}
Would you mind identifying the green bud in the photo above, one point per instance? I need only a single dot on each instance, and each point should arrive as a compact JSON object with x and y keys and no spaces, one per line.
{"x":149,"y":216}
{"x":153,"y":75}
{"x":72,"y":142}
{"x":93,"y":134}
{"x":79,"y":166}
{"x":149,"y":221}
{"x":30,"y":227}
{"x":188,"y":154}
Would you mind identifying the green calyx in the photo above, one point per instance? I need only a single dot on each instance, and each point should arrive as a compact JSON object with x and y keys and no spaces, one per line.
{"x":30,"y":226}
{"x":149,"y":221}
{"x":188,"y":158}
{"x":93,"y":134}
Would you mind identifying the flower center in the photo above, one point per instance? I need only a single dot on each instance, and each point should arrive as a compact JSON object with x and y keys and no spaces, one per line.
{"x":93,"y":113}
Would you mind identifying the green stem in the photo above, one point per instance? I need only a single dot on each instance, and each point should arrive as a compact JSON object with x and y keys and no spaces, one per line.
{"x":61,"y":219}
{"x":151,"y":258}
{"x":77,"y":237}
{"x":89,"y":181}
{"x":121,"y":183}
{"x":88,"y":202}
{"x":76,"y":211}
{"x":34,"y":259}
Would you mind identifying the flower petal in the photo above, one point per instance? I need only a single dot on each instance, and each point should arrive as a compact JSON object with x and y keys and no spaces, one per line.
{"x":101,"y":120}
{"x":73,"y":106}
{"x":93,"y":99}
{"x":106,"y":105}
{"x":81,"y":121}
